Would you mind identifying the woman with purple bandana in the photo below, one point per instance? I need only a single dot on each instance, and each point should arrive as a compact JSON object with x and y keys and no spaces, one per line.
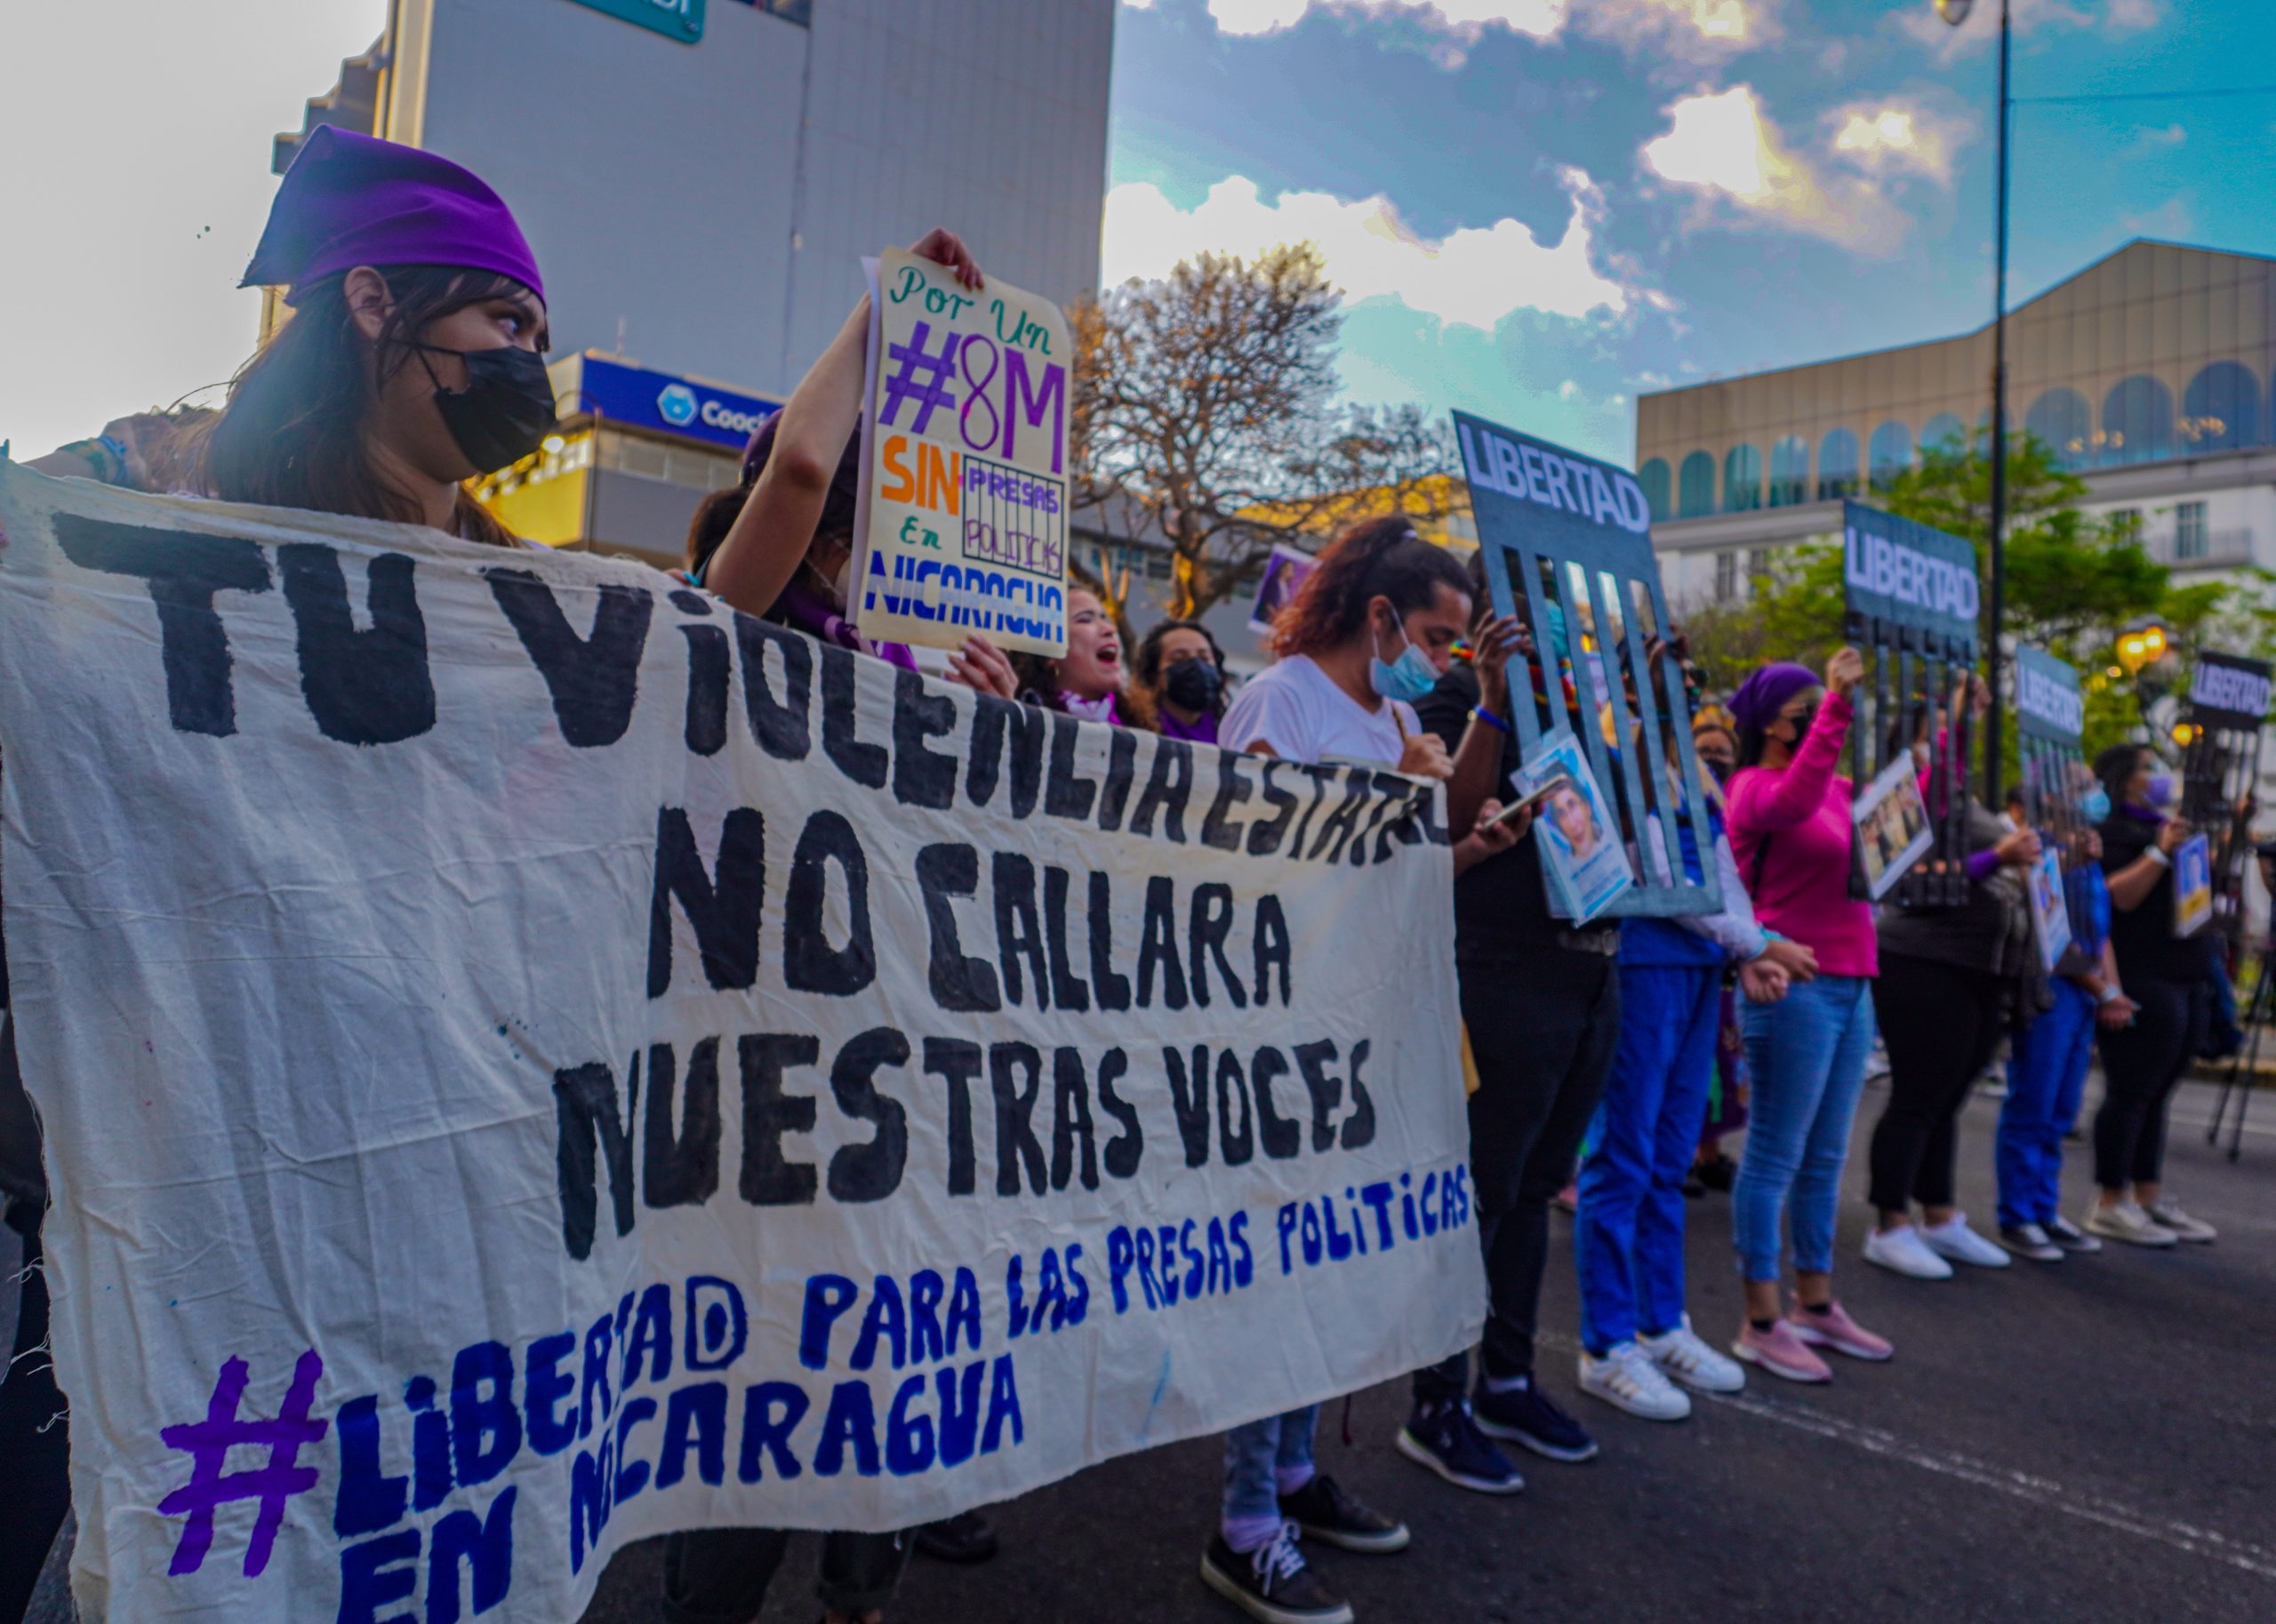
{"x":1790,"y":831}
{"x":413,"y":361}
{"x":412,"y":364}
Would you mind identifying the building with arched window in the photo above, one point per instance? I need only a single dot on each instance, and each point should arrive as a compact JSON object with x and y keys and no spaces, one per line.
{"x":2150,"y":373}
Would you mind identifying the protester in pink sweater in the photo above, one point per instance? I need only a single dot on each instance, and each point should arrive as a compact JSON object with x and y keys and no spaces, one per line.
{"x":1790,"y":830}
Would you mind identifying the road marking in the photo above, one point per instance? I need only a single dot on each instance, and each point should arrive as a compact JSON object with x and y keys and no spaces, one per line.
{"x":2040,"y":1491}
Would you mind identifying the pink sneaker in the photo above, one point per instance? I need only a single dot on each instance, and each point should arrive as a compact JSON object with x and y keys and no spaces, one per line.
{"x":1836,"y":1329}
{"x":1780,"y":1352}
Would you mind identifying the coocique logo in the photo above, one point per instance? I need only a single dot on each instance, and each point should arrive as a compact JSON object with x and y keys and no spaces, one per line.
{"x":676,"y":404}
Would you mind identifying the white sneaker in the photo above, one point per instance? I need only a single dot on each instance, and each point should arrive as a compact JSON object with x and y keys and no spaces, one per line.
{"x":2128,"y":1222}
{"x":1690,"y":1363}
{"x":2166,"y":1212}
{"x":1902,"y":1250}
{"x":1626,"y":1379}
{"x":1954,"y":1240}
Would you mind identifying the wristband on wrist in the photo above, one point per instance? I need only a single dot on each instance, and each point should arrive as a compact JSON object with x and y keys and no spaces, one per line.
{"x":2109,"y":994}
{"x":1478,"y":713}
{"x":2157,"y":854}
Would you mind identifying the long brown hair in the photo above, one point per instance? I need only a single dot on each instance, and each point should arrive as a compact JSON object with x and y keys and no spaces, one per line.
{"x":1367,"y":560}
{"x":292,"y":435}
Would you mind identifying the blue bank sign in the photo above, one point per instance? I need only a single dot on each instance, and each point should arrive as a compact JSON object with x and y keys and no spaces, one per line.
{"x":645,"y":399}
{"x":680,"y":20}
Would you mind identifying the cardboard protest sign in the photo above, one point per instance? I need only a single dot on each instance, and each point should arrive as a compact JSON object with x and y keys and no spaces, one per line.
{"x":1581,"y":859}
{"x":962,"y":524}
{"x":1893,"y":828}
{"x":2228,"y":699}
{"x":531,"y":1059}
{"x":1910,"y":598}
{"x":2193,"y":884}
{"x":2050,"y":918}
{"x":1568,"y":546}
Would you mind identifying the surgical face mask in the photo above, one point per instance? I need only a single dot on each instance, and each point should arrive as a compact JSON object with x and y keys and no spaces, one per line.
{"x":2095,"y":804}
{"x":506,"y":410}
{"x":1409,"y":677}
{"x":2160,"y":790}
{"x":1193,"y":684}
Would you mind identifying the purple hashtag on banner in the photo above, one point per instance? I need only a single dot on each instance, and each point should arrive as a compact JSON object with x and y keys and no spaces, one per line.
{"x":903,"y":385}
{"x":208,"y":1443}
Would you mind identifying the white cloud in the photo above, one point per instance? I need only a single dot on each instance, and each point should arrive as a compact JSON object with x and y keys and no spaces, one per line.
{"x":1892,"y":136}
{"x":1686,"y":30}
{"x":1918,"y":20}
{"x":1465,"y":19}
{"x":1569,"y":389}
{"x":2157,"y":141}
{"x":1722,"y":146}
{"x":1472,"y":276}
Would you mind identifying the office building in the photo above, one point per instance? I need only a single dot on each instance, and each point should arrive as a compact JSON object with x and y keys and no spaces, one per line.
{"x":2149,"y":373}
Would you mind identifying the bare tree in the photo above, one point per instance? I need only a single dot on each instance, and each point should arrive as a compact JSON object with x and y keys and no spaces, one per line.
{"x":1204,"y":414}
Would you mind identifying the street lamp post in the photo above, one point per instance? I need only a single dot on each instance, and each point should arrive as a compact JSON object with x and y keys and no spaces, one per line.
{"x":1955,"y":12}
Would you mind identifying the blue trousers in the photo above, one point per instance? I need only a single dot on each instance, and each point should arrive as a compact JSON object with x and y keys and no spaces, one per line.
{"x":2046,"y":1075}
{"x":1628,"y":1235}
{"x":1258,"y":1457}
{"x":1807,"y":1055}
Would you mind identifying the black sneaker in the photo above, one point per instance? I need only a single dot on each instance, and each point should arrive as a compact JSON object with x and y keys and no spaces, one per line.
{"x":2069,"y":1236}
{"x":1445,"y":1438}
{"x":1271,"y":1582}
{"x":1327,"y":1513}
{"x":965,"y":1538}
{"x":1527,"y":1415}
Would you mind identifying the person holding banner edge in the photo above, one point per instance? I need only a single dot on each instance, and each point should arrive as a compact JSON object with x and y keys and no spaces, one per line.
{"x":1333,"y":695}
{"x":1789,"y":829}
{"x":2164,"y":974}
{"x":412,"y":364}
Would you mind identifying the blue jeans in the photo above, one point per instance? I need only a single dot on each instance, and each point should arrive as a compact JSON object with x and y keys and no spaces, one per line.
{"x":1806,"y":1056}
{"x":2046,"y":1075}
{"x":1628,"y":1235}
{"x":1260,"y":1457}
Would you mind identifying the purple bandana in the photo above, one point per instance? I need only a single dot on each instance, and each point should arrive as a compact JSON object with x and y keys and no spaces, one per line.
{"x":1756,"y":703}
{"x":352,"y":200}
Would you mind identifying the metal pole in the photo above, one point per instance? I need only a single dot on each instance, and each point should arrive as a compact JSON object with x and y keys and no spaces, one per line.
{"x":1991,"y":733}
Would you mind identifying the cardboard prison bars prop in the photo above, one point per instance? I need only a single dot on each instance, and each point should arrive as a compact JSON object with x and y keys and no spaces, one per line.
{"x":1912,"y":597}
{"x":2220,"y":768}
{"x":1574,"y":536}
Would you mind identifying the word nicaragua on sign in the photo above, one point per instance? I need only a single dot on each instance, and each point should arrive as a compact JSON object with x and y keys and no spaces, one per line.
{"x":583,"y":1063}
{"x":963,"y":505}
{"x":1883,"y":564}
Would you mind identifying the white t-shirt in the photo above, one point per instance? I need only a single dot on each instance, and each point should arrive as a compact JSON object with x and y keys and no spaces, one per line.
{"x":1295,"y":711}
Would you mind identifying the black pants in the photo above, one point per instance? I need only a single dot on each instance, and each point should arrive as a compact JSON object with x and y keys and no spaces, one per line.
{"x":1941,"y":1023}
{"x":720,"y":1575}
{"x":34,"y":1444}
{"x":1542,"y":1027}
{"x":2141,"y":1064}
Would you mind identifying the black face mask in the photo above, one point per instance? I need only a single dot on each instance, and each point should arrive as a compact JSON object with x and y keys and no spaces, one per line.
{"x":1193,"y":684}
{"x":506,"y":410}
{"x":1802,"y":725}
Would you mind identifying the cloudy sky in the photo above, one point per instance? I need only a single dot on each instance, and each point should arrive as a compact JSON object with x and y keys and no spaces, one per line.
{"x":1539,"y":207}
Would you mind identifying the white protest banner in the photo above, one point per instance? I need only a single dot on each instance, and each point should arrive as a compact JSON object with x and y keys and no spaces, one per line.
{"x":530,"y":1058}
{"x":964,"y":489}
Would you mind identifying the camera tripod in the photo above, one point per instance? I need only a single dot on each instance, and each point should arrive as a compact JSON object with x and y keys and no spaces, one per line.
{"x":2262,"y":1011}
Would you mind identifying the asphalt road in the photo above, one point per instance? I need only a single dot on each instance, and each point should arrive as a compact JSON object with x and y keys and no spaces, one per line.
{"x":2094,"y":1440}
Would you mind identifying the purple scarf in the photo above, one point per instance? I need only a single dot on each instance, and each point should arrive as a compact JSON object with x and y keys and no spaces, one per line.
{"x":811,"y":613}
